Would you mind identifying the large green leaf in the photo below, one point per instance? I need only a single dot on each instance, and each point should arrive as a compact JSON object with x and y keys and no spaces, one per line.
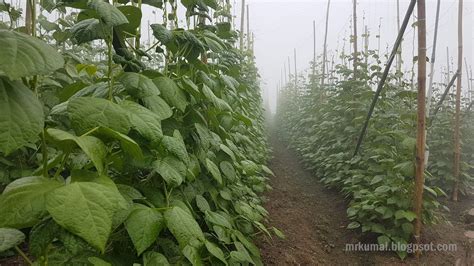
{"x":138,"y":85}
{"x":88,"y":30}
{"x":215,"y":251}
{"x":86,"y":209}
{"x":143,"y":226}
{"x":22,"y":55}
{"x":171,"y":92}
{"x":214,"y":170}
{"x":158,"y":106}
{"x":218,"y":102}
{"x":152,"y":258}
{"x":10,"y":238}
{"x":171,"y":169}
{"x":127,"y":144}
{"x":22,"y":203}
{"x":108,"y":13}
{"x":21,"y":115}
{"x":134,"y":17}
{"x":87,"y":113}
{"x":175,"y":145}
{"x":144,"y":121}
{"x":93,"y":147}
{"x":161,"y":33}
{"x":183,"y":226}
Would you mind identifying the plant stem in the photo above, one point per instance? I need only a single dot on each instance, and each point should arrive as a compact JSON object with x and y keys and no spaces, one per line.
{"x":23,"y":255}
{"x":109,"y":65}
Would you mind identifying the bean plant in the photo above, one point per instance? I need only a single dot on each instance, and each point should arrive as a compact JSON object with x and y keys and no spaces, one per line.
{"x":113,"y":152}
{"x":323,"y":123}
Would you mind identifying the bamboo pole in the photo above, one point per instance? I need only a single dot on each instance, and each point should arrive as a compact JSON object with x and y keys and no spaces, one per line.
{"x":469,"y":87}
{"x":366,"y":45}
{"x":447,"y":64}
{"x":433,"y":60}
{"x":457,"y":119}
{"x":248,"y":28}
{"x":296,"y":71}
{"x":242,"y":24}
{"x":385,"y":74}
{"x":399,"y":52}
{"x":286,"y":77}
{"x":289,"y":69}
{"x":420,"y":134}
{"x":354,"y":13}
{"x":325,"y":44}
{"x":445,"y":93}
{"x":314,"y":48}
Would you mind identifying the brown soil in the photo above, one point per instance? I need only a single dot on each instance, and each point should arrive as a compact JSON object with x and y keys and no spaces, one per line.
{"x":313,"y":219}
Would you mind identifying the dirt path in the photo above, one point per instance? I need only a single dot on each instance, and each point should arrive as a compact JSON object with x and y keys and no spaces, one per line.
{"x":313,"y":219}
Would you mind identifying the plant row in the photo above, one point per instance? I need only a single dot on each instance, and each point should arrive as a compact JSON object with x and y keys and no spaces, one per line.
{"x":112,"y":153}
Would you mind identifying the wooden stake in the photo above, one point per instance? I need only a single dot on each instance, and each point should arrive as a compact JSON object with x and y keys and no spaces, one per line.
{"x":420,"y":133}
{"x":289,"y":69}
{"x":433,"y":60}
{"x":242,"y":24}
{"x":457,"y":119}
{"x":314,"y":48}
{"x":366,"y":45}
{"x":325,"y":44}
{"x":296,"y":72}
{"x":399,"y":52}
{"x":447,"y":64}
{"x":354,"y":13}
{"x":248,"y":28}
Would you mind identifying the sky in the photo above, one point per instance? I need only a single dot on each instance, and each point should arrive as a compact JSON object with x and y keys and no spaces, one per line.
{"x":284,"y":25}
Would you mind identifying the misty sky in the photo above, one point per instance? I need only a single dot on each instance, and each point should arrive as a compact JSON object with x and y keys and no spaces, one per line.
{"x":280,"y":26}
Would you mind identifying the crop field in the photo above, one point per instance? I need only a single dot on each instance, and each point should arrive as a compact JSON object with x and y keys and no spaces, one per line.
{"x":142,"y":132}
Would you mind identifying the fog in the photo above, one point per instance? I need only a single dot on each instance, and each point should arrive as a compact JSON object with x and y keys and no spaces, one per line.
{"x":282,"y":26}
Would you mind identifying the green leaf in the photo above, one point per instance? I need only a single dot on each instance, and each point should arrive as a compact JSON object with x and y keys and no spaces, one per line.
{"x":202,"y":203}
{"x":158,"y":106}
{"x":127,"y":144}
{"x":144,"y":121}
{"x":171,"y":169}
{"x":21,"y":115}
{"x":10,"y":238}
{"x":353,"y":225}
{"x":409,"y":215}
{"x":138,"y":85}
{"x":214,"y":170}
{"x":108,"y":13}
{"x":23,"y":55}
{"x":88,"y":30}
{"x":86,"y":209}
{"x":382,"y":189}
{"x":192,"y":254}
{"x":183,"y":226}
{"x":93,"y":147}
{"x":22,"y":203}
{"x":217,"y":219}
{"x":143,"y":225}
{"x":175,"y":145}
{"x":152,"y":258}
{"x":218,"y":102}
{"x":87,"y":113}
{"x":98,"y":262}
{"x":215,"y":251}
{"x":161,"y":33}
{"x":377,"y":179}
{"x":171,"y":92}
{"x":134,"y":17}
{"x":228,"y":170}
{"x":278,"y":233}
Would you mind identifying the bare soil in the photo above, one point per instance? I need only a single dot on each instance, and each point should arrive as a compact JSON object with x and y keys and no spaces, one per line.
{"x":313,"y":219}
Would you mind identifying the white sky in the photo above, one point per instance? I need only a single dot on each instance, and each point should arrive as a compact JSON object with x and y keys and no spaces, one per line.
{"x":280,"y":26}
